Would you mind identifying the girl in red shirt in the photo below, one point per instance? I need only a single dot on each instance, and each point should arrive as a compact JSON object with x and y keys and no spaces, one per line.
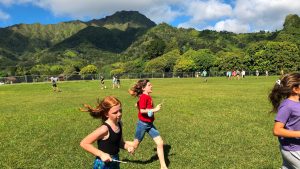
{"x":142,"y":89}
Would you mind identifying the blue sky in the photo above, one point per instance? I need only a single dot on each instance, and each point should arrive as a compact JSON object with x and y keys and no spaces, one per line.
{"x":27,"y":13}
{"x":239,"y":16}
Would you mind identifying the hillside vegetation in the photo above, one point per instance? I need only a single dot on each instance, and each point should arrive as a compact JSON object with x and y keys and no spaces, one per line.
{"x":129,"y":42}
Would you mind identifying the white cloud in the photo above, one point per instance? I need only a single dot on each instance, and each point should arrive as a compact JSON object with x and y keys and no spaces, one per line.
{"x":185,"y":25}
{"x":265,"y":14}
{"x":162,"y":14}
{"x":202,"y":12}
{"x":3,"y":15}
{"x":156,"y":10}
{"x":207,"y":10}
{"x":246,"y":16}
{"x":231,"y":26}
{"x":84,"y":8}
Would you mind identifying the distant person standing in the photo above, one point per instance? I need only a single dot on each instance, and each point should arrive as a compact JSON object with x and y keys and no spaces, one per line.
{"x":238,"y":74}
{"x":114,"y":82}
{"x":257,"y":73}
{"x":102,"y":82}
{"x":243,"y":73}
{"x":54,"y":84}
{"x":204,"y":74}
{"x":228,"y":74}
{"x":233,"y":73}
{"x":267,"y":73}
{"x":118,"y":82}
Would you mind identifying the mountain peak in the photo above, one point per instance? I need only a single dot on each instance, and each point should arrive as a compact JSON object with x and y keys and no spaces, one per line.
{"x":123,"y":20}
{"x":292,"y":21}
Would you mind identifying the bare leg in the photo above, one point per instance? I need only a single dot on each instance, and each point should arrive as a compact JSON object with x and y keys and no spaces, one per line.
{"x":160,"y":152}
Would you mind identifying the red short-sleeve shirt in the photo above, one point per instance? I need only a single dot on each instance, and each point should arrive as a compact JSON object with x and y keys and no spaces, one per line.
{"x":145,"y":102}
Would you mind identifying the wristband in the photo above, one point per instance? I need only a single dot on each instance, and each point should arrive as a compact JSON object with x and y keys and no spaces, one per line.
{"x":150,"y":113}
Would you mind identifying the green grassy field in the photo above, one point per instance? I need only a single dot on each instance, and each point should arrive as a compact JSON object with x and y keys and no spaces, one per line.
{"x":218,"y":124}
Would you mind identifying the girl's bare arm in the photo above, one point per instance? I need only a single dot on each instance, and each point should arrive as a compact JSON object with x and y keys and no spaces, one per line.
{"x":87,"y":143}
{"x":156,"y":109}
{"x":280,"y":131}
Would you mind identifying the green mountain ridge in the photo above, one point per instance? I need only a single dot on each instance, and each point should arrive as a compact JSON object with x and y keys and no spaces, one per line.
{"x":126,"y":38}
{"x":113,"y":33}
{"x":27,"y":42}
{"x":40,"y":36}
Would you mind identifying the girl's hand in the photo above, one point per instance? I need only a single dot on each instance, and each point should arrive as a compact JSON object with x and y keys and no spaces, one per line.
{"x":105,"y":157}
{"x":157,"y":108}
{"x":130,"y":150}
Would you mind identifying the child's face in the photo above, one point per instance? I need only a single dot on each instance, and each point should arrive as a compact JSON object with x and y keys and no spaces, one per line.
{"x":296,"y":90}
{"x":148,"y":88}
{"x":115,"y":113}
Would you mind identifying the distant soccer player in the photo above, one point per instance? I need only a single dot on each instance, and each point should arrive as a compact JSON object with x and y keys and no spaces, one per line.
{"x":118,"y":82}
{"x":54,"y":84}
{"x":102,"y":82}
{"x":114,"y":82}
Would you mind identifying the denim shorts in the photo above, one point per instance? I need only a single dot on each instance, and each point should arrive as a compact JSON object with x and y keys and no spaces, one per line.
{"x":143,"y":127}
{"x":99,"y":164}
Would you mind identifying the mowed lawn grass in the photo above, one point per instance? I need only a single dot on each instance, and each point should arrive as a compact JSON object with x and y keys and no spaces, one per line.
{"x":216,"y":124}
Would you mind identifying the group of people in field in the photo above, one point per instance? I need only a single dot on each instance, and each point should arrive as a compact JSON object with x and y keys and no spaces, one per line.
{"x":116,"y":82}
{"x":109,"y":134}
{"x":235,"y":74}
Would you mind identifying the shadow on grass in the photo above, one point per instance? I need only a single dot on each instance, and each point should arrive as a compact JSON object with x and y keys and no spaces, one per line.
{"x":167,"y":149}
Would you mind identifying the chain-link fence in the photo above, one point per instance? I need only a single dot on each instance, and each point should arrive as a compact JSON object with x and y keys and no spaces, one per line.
{"x":46,"y":78}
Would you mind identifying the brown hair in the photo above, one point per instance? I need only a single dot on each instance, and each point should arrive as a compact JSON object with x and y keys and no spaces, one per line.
{"x":137,"y":89}
{"x":283,"y":89}
{"x":102,"y":108}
